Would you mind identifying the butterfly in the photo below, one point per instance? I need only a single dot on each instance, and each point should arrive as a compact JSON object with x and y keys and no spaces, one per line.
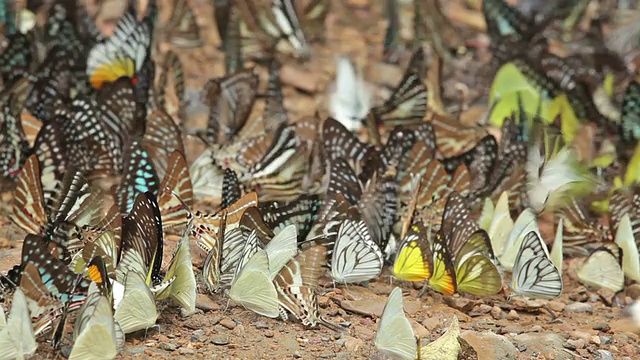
{"x":630,"y":117}
{"x":182,"y":30}
{"x":231,"y":100}
{"x":554,"y":174}
{"x":408,"y":102}
{"x":275,"y":255}
{"x":341,"y":143}
{"x":137,"y":309}
{"x":301,"y":212}
{"x":374,"y":202}
{"x":66,"y":210}
{"x":395,"y":337}
{"x":432,"y":24}
{"x":95,"y":319}
{"x":272,"y":21}
{"x":229,"y":28}
{"x":581,"y":230}
{"x":505,"y":20}
{"x":627,"y":243}
{"x":231,"y":191}
{"x":355,"y":257}
{"x":142,"y":240}
{"x":176,"y":180}
{"x":122,"y":54}
{"x":172,"y":74}
{"x":392,"y":41}
{"x":139,"y":176}
{"x":497,"y":222}
{"x":52,"y":86}
{"x":14,"y":148}
{"x":16,"y":333}
{"x":417,"y":260}
{"x":534,"y":275}
{"x":161,"y":139}
{"x":350,"y":102}
{"x":213,"y":234}
{"x":296,"y":285}
{"x":603,"y":268}
{"x":253,"y":287}
{"x":275,"y":114}
{"x":183,"y":288}
{"x":17,"y":57}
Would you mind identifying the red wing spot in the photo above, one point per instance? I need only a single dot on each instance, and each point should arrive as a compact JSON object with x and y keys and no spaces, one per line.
{"x":134,"y":80}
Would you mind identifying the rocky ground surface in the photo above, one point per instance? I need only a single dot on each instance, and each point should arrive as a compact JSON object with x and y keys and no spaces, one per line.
{"x":579,"y":324}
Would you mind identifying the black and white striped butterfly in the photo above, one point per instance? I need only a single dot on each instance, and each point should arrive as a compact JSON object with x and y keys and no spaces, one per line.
{"x":355,"y":256}
{"x":534,"y":275}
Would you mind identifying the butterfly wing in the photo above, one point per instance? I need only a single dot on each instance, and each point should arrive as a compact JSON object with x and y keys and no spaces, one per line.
{"x":602,"y":270}
{"x":534,"y":275}
{"x":395,"y":336}
{"x":253,"y":288}
{"x":355,"y":257}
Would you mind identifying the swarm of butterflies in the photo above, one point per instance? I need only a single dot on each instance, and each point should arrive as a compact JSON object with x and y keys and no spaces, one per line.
{"x":92,"y":138}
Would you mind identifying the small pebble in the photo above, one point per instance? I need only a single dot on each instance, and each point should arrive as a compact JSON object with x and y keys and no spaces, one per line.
{"x":269,"y":333}
{"x":215,"y":319}
{"x":556,"y":306}
{"x":513,"y":315}
{"x":578,"y":307}
{"x":198,"y":336}
{"x":595,"y":340}
{"x":481,"y":309}
{"x":186,"y":351}
{"x":602,"y":327}
{"x":513,"y":329}
{"x":604,"y":355}
{"x":220,"y":339}
{"x":135,"y":350}
{"x":496,"y":312}
{"x":261,"y":325}
{"x":578,"y":344}
{"x":604,"y":340}
{"x":536,"y":328}
{"x":228,"y":323}
{"x":167,"y":346}
{"x":633,"y":291}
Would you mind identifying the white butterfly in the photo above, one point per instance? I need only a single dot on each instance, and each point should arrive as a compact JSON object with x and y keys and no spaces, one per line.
{"x":549,"y":181}
{"x":395,"y":336}
{"x":602,"y":270}
{"x":95,"y":333}
{"x":17,"y":339}
{"x":351,"y":100}
{"x":497,"y":222}
{"x":253,"y":285}
{"x":183,"y":288}
{"x":355,"y":257}
{"x":557,"y":249}
{"x":137,"y":309}
{"x":525,"y":223}
{"x":626,"y":241}
{"x":534,"y":275}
